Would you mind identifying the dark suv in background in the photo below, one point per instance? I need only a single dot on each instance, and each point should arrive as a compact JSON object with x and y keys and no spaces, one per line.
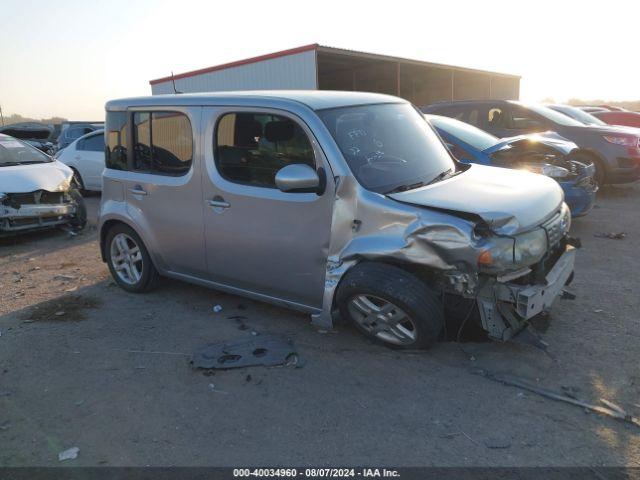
{"x":615,"y":154}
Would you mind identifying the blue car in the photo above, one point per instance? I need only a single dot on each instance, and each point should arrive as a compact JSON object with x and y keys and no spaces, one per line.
{"x":546,"y":154}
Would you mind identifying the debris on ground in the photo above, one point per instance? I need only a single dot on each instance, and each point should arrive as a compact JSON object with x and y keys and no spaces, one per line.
{"x":213,"y":388}
{"x":240,"y":321}
{"x":267,"y":350}
{"x":217,"y":308}
{"x":497,"y":443}
{"x":64,"y":278}
{"x":610,"y":409}
{"x":611,"y":235}
{"x":69,"y":454}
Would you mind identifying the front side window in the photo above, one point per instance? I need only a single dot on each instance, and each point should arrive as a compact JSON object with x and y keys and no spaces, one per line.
{"x":94,"y":143}
{"x":250,"y":148}
{"x":162,"y":143}
{"x":522,"y":119}
{"x":387,"y":146}
{"x":497,"y":118}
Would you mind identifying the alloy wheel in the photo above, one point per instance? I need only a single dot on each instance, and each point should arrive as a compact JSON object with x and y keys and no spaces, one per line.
{"x":382,"y":319}
{"x":126,"y":258}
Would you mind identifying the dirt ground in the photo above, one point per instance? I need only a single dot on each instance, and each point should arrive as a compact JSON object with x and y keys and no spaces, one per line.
{"x":84,"y":364}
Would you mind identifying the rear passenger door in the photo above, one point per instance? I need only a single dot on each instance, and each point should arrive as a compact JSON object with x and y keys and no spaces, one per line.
{"x":258,"y":238}
{"x":161,"y":180}
{"x":89,"y":158}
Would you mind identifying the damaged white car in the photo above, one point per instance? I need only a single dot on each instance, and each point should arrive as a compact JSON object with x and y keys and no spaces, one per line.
{"x":333,"y":203}
{"x":35,"y":190}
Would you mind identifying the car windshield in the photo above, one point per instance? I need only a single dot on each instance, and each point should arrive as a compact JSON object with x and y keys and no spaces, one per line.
{"x":579,"y":115}
{"x":388,"y":146}
{"x":16,"y":152}
{"x":556,"y":117}
{"x":478,"y":139}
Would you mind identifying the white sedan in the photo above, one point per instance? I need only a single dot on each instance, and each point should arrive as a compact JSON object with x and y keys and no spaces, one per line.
{"x":85,"y":156}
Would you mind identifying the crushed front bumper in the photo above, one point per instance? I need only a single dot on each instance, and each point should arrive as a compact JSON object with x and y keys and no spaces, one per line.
{"x":505,"y":307}
{"x":34,"y":216}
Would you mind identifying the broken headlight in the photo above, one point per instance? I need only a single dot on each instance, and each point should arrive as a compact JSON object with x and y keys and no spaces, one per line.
{"x":546,"y":169}
{"x":530,"y":247}
{"x":65,"y":185}
{"x":511,"y":253}
{"x":498,"y":257}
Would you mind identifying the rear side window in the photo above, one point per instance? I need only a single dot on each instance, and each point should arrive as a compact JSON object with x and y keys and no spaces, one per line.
{"x":250,"y":148}
{"x":116,"y":139}
{"x":162,"y":143}
{"x":94,"y":143}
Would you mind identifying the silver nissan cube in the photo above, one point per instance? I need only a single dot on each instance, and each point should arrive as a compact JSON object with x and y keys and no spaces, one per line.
{"x":339,"y":204}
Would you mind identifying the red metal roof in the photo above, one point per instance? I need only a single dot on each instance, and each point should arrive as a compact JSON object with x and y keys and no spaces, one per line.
{"x":283,"y":53}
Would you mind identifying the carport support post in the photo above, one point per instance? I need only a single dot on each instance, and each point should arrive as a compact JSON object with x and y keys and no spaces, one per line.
{"x":398,"y":79}
{"x":453,"y":78}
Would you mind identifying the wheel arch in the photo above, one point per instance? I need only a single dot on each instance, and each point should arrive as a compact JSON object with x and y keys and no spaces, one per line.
{"x":595,"y":155}
{"x":108,"y":224}
{"x":421,"y":272}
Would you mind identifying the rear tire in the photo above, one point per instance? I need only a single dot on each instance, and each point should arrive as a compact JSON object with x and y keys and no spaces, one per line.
{"x":390,"y":306}
{"x":129,"y":260}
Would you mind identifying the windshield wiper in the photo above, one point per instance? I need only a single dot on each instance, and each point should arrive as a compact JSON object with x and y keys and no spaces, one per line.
{"x":404,"y":188}
{"x":441,"y":176}
{"x":412,"y":186}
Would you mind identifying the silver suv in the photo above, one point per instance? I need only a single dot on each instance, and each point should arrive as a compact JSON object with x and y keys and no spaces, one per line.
{"x":338,"y":204}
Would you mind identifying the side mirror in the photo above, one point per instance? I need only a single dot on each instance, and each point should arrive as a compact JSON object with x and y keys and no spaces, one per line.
{"x":297,"y":177}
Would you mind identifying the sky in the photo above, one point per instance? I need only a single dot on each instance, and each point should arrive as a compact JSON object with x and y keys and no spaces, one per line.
{"x":67,"y":58}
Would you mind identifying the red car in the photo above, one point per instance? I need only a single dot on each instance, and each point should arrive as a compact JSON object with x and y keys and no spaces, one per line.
{"x":628,"y":119}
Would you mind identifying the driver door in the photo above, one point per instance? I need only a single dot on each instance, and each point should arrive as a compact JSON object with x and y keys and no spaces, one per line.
{"x":258,"y":238}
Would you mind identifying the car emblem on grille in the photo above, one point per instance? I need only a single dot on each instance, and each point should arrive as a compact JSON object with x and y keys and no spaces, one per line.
{"x":564,"y":223}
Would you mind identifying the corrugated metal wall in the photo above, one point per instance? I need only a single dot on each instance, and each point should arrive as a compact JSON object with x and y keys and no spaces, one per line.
{"x":296,"y":71}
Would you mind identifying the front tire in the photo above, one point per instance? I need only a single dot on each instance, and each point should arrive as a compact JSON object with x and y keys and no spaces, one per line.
{"x":129,"y":260}
{"x":390,"y":306}
{"x":77,"y":181}
{"x":600,"y":176}
{"x":79,"y":220}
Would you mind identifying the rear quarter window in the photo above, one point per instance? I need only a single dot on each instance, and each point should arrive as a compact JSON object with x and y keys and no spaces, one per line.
{"x":116,"y":140}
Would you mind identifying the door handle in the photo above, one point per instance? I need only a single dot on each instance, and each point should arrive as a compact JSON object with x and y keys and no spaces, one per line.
{"x":138,"y":190}
{"x":218,"y":202}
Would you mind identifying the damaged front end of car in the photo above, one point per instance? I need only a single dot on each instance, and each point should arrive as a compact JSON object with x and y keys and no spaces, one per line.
{"x":20,"y":212}
{"x":555,"y":158}
{"x":512,"y":266}
{"x":520,"y":276}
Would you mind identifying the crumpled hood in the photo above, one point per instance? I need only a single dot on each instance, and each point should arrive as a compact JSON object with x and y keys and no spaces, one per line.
{"x":558,"y":143}
{"x":37,"y":176}
{"x":509,"y":201}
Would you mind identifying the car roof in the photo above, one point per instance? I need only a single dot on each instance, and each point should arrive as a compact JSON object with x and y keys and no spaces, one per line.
{"x":472,"y":102}
{"x":314,"y":99}
{"x":560,"y":106}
